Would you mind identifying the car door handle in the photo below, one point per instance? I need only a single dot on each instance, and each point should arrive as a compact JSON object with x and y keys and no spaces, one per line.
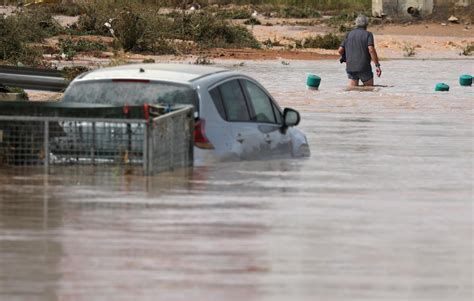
{"x":239,"y":138}
{"x":268,"y":139}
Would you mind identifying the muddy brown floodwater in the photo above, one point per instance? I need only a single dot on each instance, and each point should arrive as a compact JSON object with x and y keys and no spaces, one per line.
{"x":382,"y":210}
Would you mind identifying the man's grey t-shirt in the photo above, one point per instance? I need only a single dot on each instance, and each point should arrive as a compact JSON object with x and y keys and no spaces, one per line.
{"x":356,"y":47}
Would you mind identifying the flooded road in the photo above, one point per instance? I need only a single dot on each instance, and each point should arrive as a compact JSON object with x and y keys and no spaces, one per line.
{"x":382,"y":210}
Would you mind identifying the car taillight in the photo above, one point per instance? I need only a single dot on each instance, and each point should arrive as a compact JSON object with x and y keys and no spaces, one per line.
{"x":146,"y":111}
{"x":200,"y":139}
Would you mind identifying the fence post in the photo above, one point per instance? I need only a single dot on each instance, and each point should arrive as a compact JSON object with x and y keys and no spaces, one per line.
{"x":171,"y":132}
{"x":190,"y":159}
{"x":146,"y":163}
{"x":46,"y":146}
{"x":93,"y":144}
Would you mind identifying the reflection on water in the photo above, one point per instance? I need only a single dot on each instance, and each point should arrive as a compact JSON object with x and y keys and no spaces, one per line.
{"x":382,"y":210}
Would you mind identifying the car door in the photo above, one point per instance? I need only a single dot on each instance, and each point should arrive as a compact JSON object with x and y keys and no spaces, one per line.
{"x":246,"y":139}
{"x":267,"y":117}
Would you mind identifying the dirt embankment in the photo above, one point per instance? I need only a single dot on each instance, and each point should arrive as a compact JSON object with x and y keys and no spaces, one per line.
{"x":393,"y":41}
{"x":425,"y":39}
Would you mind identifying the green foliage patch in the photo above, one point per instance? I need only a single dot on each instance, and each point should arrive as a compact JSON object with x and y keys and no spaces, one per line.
{"x":297,"y":12}
{"x":19,"y":30}
{"x":327,"y":41}
{"x":468,"y":50}
{"x":142,"y":28}
{"x":69,"y":47}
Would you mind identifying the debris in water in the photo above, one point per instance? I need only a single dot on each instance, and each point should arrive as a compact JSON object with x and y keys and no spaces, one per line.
{"x":453,"y":19}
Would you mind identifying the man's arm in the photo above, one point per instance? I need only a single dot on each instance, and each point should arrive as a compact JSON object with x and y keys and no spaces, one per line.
{"x":375,"y":59}
{"x":341,"y":51}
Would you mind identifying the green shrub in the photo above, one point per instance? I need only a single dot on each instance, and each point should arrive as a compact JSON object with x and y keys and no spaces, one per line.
{"x":328,"y":41}
{"x":208,"y":31}
{"x":70,"y":9}
{"x":96,"y":14}
{"x":141,"y":28}
{"x":233,"y":14}
{"x":21,"y":93}
{"x":408,"y":50}
{"x":468,"y":50}
{"x":297,"y":12}
{"x":203,"y":60}
{"x":34,"y":25}
{"x":299,"y":44}
{"x":70,"y":73}
{"x":19,"y":30}
{"x":344,"y":18}
{"x":345,"y":28}
{"x":269,"y":43}
{"x":252,"y":21}
{"x":70,"y":47}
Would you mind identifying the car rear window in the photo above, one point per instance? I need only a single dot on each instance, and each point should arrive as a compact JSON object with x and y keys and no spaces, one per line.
{"x":132,"y":92}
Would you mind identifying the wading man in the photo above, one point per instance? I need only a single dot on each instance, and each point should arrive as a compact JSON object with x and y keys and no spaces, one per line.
{"x":358,"y":49}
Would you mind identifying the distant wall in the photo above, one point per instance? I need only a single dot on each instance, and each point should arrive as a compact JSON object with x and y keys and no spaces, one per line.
{"x":419,"y":8}
{"x":459,"y":8}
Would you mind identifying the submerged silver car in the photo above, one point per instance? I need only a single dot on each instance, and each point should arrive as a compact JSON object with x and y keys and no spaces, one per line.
{"x":236,"y":118}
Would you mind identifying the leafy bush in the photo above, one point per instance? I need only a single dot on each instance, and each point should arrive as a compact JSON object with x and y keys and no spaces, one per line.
{"x":70,"y":9}
{"x":70,"y":73}
{"x":70,"y":47}
{"x":208,"y":31}
{"x":328,"y":41}
{"x":35,"y":25}
{"x":269,"y":43}
{"x":19,"y":30}
{"x":252,"y":21}
{"x":21,"y":93}
{"x":468,"y":50}
{"x":96,"y":14}
{"x":143,"y":29}
{"x":233,"y":14}
{"x":203,"y":60}
{"x":344,"y":18}
{"x":297,"y":12}
{"x":408,"y":50}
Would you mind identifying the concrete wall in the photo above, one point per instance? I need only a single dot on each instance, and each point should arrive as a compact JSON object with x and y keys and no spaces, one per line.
{"x":422,"y":8}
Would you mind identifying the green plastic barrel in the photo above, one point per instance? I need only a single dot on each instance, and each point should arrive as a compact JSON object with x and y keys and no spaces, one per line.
{"x":465,"y":80}
{"x":313,"y":81}
{"x":441,"y":87}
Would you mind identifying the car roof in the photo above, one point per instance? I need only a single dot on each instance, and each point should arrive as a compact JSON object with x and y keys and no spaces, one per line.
{"x":179,"y":73}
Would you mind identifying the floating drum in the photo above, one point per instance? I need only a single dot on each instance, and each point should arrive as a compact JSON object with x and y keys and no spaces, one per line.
{"x":465,"y":80}
{"x":313,"y":81}
{"x":442,"y":87}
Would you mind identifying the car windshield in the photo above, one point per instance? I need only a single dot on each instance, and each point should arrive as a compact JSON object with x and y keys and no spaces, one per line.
{"x":131,"y":92}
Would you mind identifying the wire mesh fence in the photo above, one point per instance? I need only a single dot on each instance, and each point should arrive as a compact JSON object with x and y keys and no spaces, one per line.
{"x":176,"y":150}
{"x":156,"y":144}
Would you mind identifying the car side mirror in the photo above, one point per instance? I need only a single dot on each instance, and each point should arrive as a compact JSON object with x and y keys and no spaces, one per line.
{"x":290,"y":117}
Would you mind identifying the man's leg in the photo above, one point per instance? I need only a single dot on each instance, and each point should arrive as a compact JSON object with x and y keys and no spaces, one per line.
{"x":353,"y":79}
{"x":370,"y":82}
{"x":353,"y":82}
{"x":367,"y":78}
